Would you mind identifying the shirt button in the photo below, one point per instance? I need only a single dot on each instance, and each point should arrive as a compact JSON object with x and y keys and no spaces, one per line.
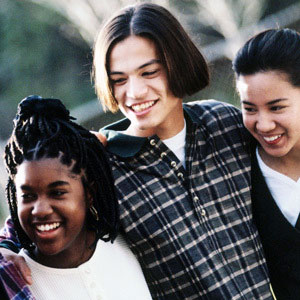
{"x":163,"y":154}
{"x":203,"y":212}
{"x":180,"y":175}
{"x":173,"y":164}
{"x":152,"y":142}
{"x":196,"y":199}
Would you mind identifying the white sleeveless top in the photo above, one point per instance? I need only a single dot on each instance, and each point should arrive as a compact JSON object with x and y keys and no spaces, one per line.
{"x":112,"y":273}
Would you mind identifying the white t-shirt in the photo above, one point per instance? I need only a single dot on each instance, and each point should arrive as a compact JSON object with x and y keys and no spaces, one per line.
{"x":285,"y":191}
{"x":177,"y":144}
{"x":112,"y":273}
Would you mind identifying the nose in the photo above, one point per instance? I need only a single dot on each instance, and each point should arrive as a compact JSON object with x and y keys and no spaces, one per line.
{"x":137,"y":88}
{"x":265,"y":123}
{"x":41,"y":208}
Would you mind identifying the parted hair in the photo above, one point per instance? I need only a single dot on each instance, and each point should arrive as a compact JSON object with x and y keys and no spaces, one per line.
{"x":42,"y":129}
{"x":186,"y":68}
{"x":271,"y":50}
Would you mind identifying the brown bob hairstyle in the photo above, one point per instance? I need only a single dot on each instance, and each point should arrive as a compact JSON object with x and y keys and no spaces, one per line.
{"x":186,"y":68}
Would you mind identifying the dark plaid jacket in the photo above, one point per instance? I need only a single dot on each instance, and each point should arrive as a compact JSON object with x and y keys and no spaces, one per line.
{"x":191,"y":229}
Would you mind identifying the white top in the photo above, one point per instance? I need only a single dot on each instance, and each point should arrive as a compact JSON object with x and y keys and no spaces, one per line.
{"x":285,"y":191}
{"x":112,"y":273}
{"x":177,"y":144}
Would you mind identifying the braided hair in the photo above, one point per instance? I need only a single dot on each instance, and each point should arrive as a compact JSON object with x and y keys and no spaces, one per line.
{"x":43,"y":128}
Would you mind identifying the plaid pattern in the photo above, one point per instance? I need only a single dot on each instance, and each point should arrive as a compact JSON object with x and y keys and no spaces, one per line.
{"x":8,"y":237}
{"x":13,"y":282}
{"x":191,"y":229}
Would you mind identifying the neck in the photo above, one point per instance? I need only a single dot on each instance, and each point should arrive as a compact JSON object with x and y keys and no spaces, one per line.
{"x":165,"y":130}
{"x":288,"y":165}
{"x":68,"y":258}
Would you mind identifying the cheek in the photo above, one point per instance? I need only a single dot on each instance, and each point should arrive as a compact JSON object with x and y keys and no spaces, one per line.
{"x":118,"y":92}
{"x":78,"y":210}
{"x":248,"y":122}
{"x":23,"y":215}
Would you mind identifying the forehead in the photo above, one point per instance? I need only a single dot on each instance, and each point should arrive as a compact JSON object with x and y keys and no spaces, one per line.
{"x":131,"y":53}
{"x":44,"y":170}
{"x":270,"y":82}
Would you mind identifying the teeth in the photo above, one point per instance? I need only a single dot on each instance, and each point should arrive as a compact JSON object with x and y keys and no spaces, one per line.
{"x":47,"y":227}
{"x":272,"y":138}
{"x":140,"y":107}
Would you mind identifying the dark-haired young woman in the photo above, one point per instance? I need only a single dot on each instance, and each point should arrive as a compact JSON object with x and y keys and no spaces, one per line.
{"x":62,"y":203}
{"x":267,"y":71}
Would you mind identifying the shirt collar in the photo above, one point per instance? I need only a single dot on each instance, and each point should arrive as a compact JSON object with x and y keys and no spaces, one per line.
{"x":124,"y":145}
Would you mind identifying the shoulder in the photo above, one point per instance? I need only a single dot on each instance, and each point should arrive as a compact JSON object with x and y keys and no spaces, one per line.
{"x":213,"y":107}
{"x":210,"y":112}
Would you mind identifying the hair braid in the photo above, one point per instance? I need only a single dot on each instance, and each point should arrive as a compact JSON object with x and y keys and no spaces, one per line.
{"x":44,"y":129}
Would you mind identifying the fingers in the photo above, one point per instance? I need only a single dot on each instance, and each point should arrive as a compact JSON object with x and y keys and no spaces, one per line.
{"x":19,"y":263}
{"x":101,"y":137}
{"x":22,"y":267}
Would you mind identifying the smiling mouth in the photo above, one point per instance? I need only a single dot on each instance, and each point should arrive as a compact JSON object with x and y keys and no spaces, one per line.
{"x":47,"y":227}
{"x":142,"y":106}
{"x":271,"y":139}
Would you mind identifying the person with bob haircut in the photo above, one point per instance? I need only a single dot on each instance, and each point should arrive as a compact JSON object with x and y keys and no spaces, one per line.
{"x":62,"y":203}
{"x":182,"y":171}
{"x":186,"y":69}
{"x":267,"y":72}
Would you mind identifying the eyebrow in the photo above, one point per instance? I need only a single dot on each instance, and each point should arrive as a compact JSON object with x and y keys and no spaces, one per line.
{"x":52,"y":185}
{"x":151,"y":62}
{"x":269,"y":103}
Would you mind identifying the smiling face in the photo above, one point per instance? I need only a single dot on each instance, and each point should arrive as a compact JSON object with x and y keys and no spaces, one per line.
{"x":141,"y":89}
{"x":52,"y":209}
{"x":271,"y":112}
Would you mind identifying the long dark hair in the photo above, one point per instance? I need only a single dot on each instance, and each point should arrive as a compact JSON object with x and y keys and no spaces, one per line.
{"x":43,"y":128}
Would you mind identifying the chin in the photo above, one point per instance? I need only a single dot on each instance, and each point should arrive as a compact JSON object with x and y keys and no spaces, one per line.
{"x":49,"y":251}
{"x":276,"y":153}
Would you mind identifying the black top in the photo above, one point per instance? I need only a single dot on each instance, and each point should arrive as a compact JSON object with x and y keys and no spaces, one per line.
{"x":281,"y":241}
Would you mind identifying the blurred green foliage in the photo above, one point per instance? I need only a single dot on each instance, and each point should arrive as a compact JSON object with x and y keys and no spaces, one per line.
{"x":40,"y":53}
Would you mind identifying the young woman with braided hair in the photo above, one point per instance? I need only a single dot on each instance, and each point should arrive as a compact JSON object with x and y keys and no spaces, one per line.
{"x":62,"y":203}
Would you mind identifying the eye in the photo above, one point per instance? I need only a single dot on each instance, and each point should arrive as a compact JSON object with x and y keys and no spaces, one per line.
{"x":28,"y":197}
{"x":58,"y":194}
{"x":249,"y":109}
{"x":277,"y":108}
{"x":117,"y":81}
{"x":150,"y":73}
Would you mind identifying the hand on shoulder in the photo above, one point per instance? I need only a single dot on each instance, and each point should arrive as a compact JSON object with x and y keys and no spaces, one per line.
{"x":19,"y":263}
{"x":102,"y":138}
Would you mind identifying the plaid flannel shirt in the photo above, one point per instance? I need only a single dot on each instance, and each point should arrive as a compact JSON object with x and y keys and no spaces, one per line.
{"x":191,"y":229}
{"x":13,"y":283}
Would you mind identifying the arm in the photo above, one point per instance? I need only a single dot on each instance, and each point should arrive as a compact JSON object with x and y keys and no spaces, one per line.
{"x":9,"y":246}
{"x":8,"y":237}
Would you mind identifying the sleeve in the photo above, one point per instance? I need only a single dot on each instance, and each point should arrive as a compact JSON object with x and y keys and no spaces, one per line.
{"x":8,"y":237}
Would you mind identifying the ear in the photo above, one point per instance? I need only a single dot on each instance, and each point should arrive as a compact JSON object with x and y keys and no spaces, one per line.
{"x":89,"y":199}
{"x":89,"y":195}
